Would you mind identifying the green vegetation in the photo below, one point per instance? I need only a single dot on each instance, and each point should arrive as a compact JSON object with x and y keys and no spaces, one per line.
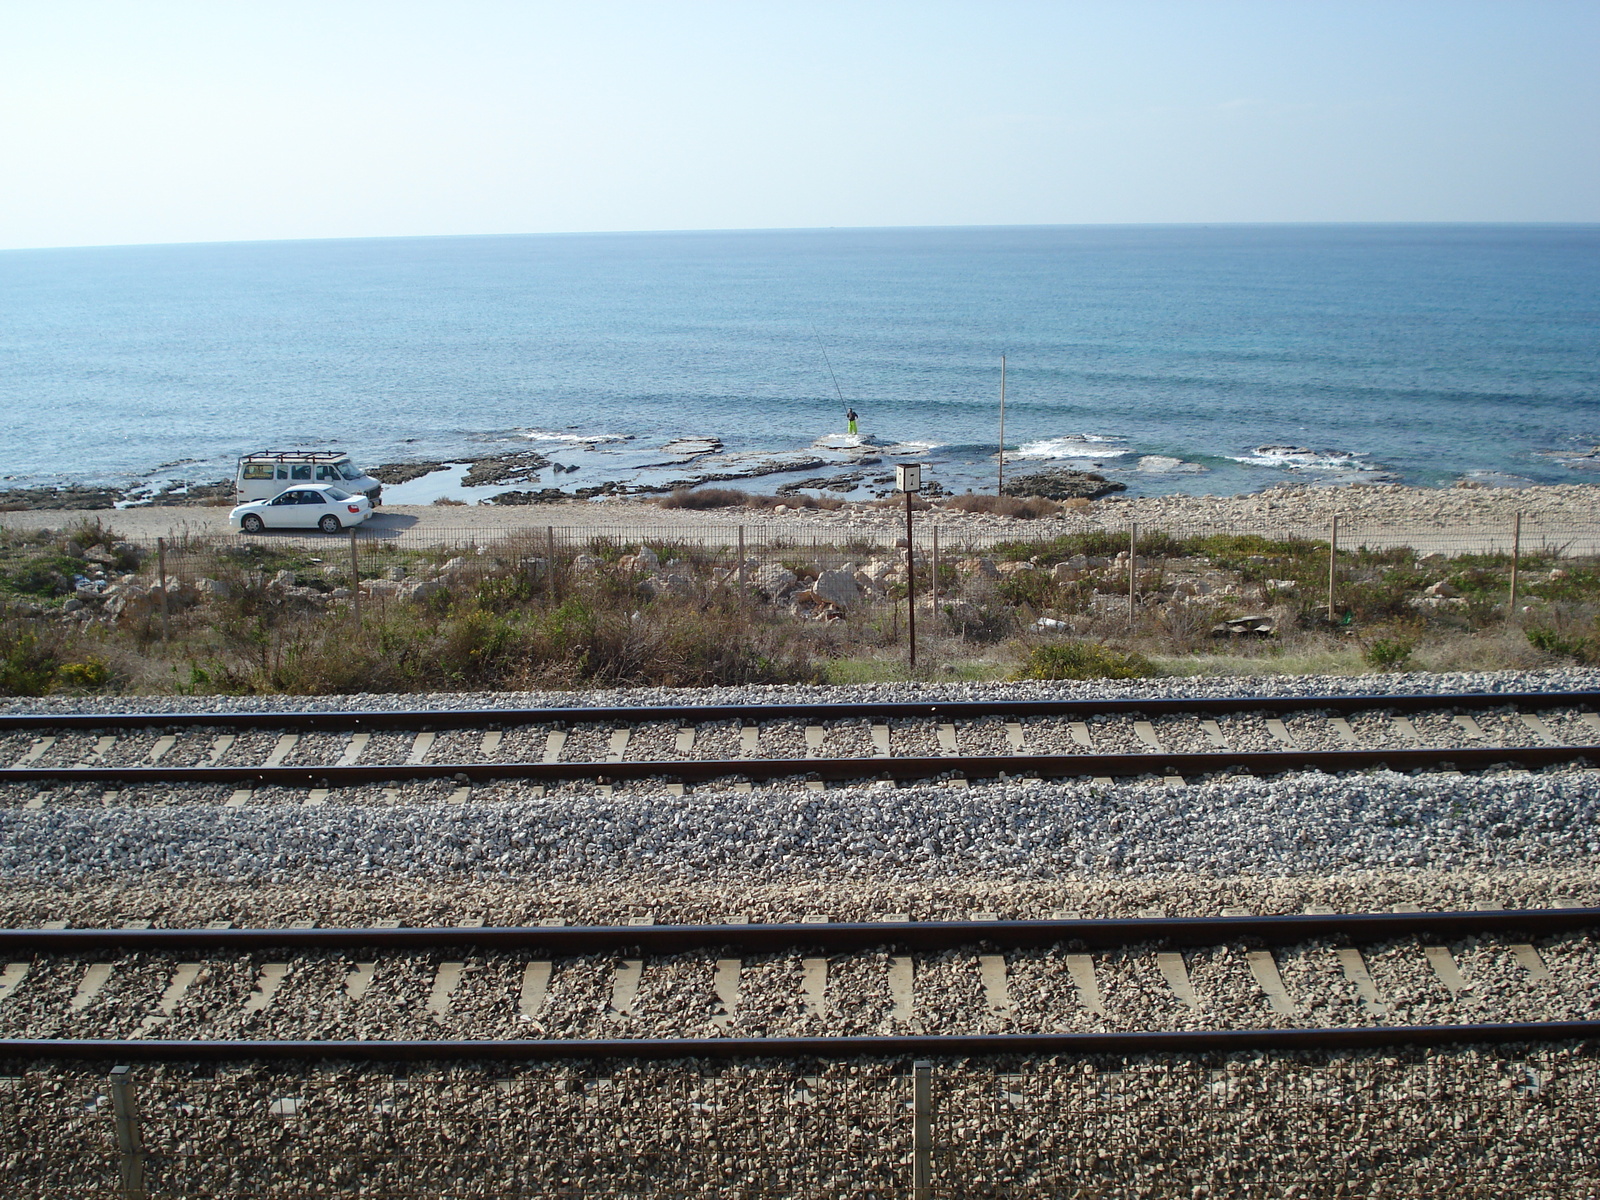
{"x":1389,"y":654}
{"x":276,"y":615}
{"x":1083,"y":660}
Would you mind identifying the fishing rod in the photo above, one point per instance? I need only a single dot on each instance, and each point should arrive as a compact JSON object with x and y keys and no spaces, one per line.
{"x":827,"y":360}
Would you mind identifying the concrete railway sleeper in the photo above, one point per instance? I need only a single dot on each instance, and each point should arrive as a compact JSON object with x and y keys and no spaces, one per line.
{"x":818,"y":744}
{"x":772,"y":984}
{"x":1176,"y":769}
{"x":936,"y":710}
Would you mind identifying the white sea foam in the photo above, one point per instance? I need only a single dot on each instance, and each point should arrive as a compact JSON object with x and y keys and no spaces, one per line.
{"x":576,"y":439}
{"x":1074,"y":445}
{"x":1303,"y":458}
{"x":849,"y":441}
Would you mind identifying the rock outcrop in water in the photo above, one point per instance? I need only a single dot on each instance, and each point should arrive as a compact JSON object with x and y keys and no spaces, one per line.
{"x":1062,"y":484}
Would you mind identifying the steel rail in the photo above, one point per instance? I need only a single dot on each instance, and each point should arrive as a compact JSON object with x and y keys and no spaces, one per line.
{"x":435,"y":719}
{"x":849,"y":1046}
{"x":1052,"y":766}
{"x":573,"y":940}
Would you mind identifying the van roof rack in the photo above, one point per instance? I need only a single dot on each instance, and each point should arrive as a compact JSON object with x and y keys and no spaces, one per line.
{"x":311,"y":455}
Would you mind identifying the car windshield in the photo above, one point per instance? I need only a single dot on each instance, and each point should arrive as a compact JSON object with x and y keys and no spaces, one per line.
{"x":348,"y":470}
{"x":334,"y":493}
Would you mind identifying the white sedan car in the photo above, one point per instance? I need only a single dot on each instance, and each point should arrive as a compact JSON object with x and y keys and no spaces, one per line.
{"x":325,"y":507}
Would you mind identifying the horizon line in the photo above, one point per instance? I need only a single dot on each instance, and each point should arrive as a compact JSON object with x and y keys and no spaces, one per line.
{"x":753,"y":229}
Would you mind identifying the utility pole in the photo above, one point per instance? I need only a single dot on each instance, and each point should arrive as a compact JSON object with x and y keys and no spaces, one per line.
{"x":908,"y":477}
{"x":1000,"y":481}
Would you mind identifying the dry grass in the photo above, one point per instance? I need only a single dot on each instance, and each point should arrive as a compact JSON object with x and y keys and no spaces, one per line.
{"x":1027,"y":508}
{"x":509,"y":619}
{"x":715,"y":497}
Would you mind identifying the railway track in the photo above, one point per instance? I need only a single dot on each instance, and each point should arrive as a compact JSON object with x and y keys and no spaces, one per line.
{"x":1318,"y":980}
{"x":1175,"y":739}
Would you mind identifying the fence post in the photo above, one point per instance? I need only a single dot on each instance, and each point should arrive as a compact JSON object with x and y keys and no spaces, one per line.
{"x":550,"y":557}
{"x":125,"y":1109}
{"x":934,"y":574}
{"x":161,"y":569}
{"x":355,"y":578}
{"x":741,"y":560}
{"x":1516,"y":560}
{"x":922,"y":1131}
{"x":1333,"y":556}
{"x":1133,"y":554}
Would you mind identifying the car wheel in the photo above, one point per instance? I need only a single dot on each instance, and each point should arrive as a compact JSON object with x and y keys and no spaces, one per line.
{"x":329,"y":524}
{"x":251,"y":523}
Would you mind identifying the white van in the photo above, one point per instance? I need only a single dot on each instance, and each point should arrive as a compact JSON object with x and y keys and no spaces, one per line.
{"x":263,"y":475}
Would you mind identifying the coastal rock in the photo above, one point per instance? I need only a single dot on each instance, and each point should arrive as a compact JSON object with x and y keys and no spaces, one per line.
{"x":397,"y":473}
{"x":668,"y":584}
{"x":837,"y":587}
{"x":1163,"y":464}
{"x":1063,"y":484}
{"x":693,"y":445}
{"x":773,"y":580}
{"x":542,"y":496}
{"x":1258,"y":625}
{"x":505,"y":468}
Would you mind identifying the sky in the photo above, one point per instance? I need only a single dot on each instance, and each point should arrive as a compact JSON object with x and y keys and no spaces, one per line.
{"x":149,"y":121}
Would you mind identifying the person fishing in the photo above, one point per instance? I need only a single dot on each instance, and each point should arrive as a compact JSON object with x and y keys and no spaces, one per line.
{"x":850,"y":418}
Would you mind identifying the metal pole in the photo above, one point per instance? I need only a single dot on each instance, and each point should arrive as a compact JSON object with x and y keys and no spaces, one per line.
{"x":355,"y":579}
{"x":1333,"y":557}
{"x":911,"y":587}
{"x":1000,"y":483}
{"x":1133,"y":554}
{"x":741,"y":560}
{"x":935,"y":584}
{"x":125,"y":1109}
{"x":161,"y":568}
{"x":922,"y":1131}
{"x":1516,"y":561}
{"x":550,"y":557}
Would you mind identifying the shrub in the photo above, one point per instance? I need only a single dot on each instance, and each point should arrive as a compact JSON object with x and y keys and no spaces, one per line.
{"x":90,"y":675}
{"x":1564,"y":645}
{"x":1028,"y":508}
{"x":715,"y":497}
{"x":980,"y":623}
{"x":28,"y":664}
{"x":1389,"y":654}
{"x":704,"y":498}
{"x":1083,"y":660}
{"x":1099,"y":543}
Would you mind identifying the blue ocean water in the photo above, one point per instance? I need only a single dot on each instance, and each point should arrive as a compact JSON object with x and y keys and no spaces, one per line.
{"x":1429,"y":352}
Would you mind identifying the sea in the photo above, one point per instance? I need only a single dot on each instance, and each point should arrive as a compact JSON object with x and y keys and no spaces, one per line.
{"x":1184,"y":358}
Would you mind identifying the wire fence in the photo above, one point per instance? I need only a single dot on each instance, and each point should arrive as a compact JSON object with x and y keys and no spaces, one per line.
{"x":1514,"y":1121}
{"x":1558,"y":534}
{"x":834,"y":571}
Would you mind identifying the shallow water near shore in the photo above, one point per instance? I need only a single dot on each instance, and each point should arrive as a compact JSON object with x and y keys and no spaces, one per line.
{"x":1187,"y":359}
